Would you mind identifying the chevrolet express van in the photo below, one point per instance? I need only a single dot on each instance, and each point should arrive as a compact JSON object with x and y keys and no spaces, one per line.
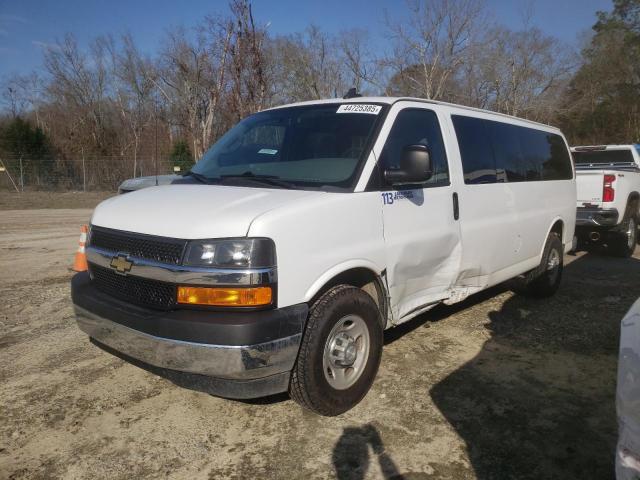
{"x":277,"y":263}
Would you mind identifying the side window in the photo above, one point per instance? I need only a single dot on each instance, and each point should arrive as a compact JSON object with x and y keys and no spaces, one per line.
{"x":545,"y":155}
{"x":534,"y":153}
{"x":508,"y":154}
{"x":558,"y":165}
{"x":417,"y":126}
{"x":478,"y":162}
{"x":498,"y":152}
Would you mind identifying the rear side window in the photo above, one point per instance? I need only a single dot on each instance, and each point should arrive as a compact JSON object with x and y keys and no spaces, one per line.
{"x":546,"y":156}
{"x":417,"y":126}
{"x":557,"y":165}
{"x":478,"y":162}
{"x":498,"y":152}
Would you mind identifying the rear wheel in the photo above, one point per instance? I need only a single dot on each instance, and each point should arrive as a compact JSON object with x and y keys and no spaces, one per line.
{"x":340,"y":352}
{"x":623,"y":242}
{"x":545,"y":280}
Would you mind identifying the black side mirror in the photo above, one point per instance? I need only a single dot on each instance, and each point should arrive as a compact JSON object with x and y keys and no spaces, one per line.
{"x":415,"y":166}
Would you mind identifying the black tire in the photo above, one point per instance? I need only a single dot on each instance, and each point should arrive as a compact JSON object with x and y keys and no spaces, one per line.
{"x":544,"y":281}
{"x":309,"y":385}
{"x":623,"y":241}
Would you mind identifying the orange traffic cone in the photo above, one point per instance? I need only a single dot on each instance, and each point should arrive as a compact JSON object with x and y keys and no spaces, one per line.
{"x":80,"y":262}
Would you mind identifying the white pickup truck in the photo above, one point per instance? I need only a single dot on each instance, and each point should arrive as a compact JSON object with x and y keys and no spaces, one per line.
{"x":608,"y":189}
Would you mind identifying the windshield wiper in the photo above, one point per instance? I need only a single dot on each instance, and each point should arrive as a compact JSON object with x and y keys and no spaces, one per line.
{"x":201,"y":178}
{"x":265,"y":179}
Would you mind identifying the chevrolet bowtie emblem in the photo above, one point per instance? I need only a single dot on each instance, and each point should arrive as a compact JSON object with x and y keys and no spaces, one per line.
{"x":121,"y":264}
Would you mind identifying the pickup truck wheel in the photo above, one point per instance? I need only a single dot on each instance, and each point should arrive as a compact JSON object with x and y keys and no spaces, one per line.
{"x":544,"y":281}
{"x":623,"y":243}
{"x":340,"y":352}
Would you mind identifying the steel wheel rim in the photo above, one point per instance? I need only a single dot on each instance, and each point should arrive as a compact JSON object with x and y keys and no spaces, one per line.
{"x":554,"y":259}
{"x":631,"y":241}
{"x":553,"y":264}
{"x":346,"y":352}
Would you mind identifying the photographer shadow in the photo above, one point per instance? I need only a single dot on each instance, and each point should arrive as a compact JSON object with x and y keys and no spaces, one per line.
{"x":352,"y":456}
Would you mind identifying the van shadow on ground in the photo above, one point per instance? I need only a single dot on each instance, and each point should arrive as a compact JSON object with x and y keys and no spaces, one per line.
{"x":538,"y":401}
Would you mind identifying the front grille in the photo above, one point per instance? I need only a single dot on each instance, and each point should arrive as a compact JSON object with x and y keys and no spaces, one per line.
{"x":160,"y":249}
{"x":143,"y":291}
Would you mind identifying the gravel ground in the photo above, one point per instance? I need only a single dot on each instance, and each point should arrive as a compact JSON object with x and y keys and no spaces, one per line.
{"x":11,"y":200}
{"x":496,"y":387}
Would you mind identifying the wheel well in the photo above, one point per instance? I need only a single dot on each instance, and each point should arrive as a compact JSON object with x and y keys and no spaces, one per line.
{"x":364,"y":279}
{"x":558,"y":228}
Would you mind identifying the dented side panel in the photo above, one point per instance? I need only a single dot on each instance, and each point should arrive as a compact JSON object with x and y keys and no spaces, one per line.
{"x":422,"y":238}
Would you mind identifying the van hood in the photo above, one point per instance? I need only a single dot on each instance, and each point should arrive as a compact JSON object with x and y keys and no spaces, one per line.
{"x":193,"y":211}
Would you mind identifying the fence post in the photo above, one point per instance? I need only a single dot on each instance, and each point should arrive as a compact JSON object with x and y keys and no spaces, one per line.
{"x":84,"y":172}
{"x":155,"y":140}
{"x":21,"y":176}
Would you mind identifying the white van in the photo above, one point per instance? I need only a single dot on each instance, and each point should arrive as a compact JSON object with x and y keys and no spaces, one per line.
{"x":309,"y":229}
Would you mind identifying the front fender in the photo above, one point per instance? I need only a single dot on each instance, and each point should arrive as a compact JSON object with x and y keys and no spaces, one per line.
{"x":338,"y":269}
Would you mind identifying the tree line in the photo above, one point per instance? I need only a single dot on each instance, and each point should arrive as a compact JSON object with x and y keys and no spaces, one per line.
{"x":121,"y":109}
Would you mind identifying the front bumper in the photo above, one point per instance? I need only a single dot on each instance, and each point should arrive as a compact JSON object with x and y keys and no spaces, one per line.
{"x":596,"y":217}
{"x":255,"y":348}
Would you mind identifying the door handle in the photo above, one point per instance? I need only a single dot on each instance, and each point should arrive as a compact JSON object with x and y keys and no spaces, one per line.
{"x":456,"y":206}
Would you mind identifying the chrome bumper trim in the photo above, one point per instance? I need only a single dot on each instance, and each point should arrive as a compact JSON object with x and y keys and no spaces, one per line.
{"x":221,"y":361}
{"x":185,"y":275}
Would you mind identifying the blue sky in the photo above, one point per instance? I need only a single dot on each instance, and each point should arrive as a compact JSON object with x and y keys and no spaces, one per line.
{"x":28,"y":25}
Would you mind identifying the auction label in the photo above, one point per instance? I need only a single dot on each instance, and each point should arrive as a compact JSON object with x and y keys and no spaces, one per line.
{"x":359,"y":108}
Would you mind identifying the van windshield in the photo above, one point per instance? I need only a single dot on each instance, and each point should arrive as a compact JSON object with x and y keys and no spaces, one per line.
{"x":588,"y":157}
{"x":314,"y":146}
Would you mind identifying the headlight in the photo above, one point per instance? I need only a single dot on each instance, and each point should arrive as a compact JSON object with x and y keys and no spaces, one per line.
{"x":231,"y":253}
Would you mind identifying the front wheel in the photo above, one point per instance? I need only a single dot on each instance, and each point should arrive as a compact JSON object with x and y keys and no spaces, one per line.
{"x":544,"y":281}
{"x":340,"y":352}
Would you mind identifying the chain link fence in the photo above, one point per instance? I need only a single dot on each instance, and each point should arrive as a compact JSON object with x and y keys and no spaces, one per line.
{"x":91,"y":173}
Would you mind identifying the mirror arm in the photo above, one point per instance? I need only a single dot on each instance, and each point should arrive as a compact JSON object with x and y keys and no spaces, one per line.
{"x":394,"y":176}
{"x":400,"y":177}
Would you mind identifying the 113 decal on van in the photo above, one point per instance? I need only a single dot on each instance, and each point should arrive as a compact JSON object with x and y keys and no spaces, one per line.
{"x":388,"y":198}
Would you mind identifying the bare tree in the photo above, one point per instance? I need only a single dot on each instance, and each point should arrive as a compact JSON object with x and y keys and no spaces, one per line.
{"x":362,"y":69}
{"x":530,"y":71}
{"x":192,"y":78}
{"x":109,"y":101}
{"x":80,"y":90}
{"x":432,"y":44}
{"x":308,"y":67}
{"x":14,"y":96}
{"x":247,"y":62}
{"x":135,"y":78}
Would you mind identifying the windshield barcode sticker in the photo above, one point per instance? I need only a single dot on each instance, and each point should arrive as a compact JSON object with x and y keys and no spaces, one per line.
{"x":359,"y":108}
{"x":268,"y":151}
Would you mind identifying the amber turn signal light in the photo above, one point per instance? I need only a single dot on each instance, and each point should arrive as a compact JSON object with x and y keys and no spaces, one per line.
{"x":225,"y":297}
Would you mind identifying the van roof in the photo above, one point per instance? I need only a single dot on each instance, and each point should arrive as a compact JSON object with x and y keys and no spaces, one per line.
{"x":392,"y":100}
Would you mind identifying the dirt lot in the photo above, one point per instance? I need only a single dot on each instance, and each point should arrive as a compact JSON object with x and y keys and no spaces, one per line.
{"x":498,"y":387}
{"x":11,"y":200}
